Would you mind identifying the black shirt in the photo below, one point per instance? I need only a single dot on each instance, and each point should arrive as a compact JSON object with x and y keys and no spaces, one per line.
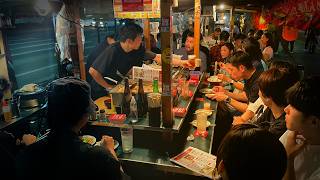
{"x":93,"y":55}
{"x":65,"y":156}
{"x":276,"y":126}
{"x":251,"y":87}
{"x":114,"y":59}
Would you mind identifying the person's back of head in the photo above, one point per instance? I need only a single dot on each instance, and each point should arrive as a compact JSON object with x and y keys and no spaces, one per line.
{"x":240,"y":37}
{"x":248,"y":152}
{"x":269,"y":36}
{"x":129,"y":31}
{"x":4,"y":86}
{"x":290,"y":67}
{"x":304,"y":96}
{"x":252,"y":47}
{"x":224,"y":36}
{"x":274,"y":82}
{"x":68,"y":102}
{"x":258,"y":34}
{"x":217,"y":30}
{"x":110,"y":39}
{"x":241,"y":58}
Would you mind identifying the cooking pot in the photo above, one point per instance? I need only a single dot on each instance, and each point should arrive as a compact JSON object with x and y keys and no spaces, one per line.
{"x":31,"y":99}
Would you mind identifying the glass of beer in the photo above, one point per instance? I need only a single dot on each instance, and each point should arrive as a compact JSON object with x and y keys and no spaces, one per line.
{"x":154,"y":109}
{"x":201,"y":122}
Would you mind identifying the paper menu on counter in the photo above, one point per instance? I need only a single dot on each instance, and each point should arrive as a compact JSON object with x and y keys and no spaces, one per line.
{"x":144,"y":73}
{"x":196,"y":160}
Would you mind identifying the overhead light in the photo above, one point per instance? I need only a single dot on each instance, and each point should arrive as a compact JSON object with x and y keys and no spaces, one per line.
{"x":224,"y":17}
{"x":221,"y":6}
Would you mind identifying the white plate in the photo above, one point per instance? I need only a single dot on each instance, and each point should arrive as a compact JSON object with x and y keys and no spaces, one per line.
{"x":210,"y":95}
{"x":194,"y":123}
{"x":208,"y":112}
{"x":88,"y":139}
{"x":116,"y":144}
{"x":214,"y":79}
{"x":206,"y":90}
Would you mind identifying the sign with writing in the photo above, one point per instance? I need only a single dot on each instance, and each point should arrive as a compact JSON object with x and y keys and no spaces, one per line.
{"x":136,"y":9}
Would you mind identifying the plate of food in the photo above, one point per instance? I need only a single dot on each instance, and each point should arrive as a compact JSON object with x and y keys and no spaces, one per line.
{"x":206,"y":90}
{"x":116,"y":144}
{"x":214,"y":79}
{"x":210,"y":95}
{"x":88,"y":139}
{"x":208,"y":112}
{"x":194,"y":123}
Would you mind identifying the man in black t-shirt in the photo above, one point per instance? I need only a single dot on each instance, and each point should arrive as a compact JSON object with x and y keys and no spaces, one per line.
{"x":241,"y":68}
{"x":109,"y":39}
{"x":119,"y":58}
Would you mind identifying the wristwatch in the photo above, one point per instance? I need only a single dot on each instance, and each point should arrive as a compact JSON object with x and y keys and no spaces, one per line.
{"x":228,"y":100}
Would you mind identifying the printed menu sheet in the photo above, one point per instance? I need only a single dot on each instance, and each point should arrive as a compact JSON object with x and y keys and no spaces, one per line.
{"x":196,"y":160}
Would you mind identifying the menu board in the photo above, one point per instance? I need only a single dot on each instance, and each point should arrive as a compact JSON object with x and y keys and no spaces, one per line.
{"x":136,"y":9}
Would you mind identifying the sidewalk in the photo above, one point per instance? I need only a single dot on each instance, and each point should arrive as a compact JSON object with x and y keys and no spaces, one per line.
{"x":311,"y":62}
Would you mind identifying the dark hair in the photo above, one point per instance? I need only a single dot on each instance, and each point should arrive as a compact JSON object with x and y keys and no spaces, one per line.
{"x":240,"y":36}
{"x":252,"y":47}
{"x":293,"y":70}
{"x":68,"y":100}
{"x":224,"y":36}
{"x":270,"y":39}
{"x":258,"y":34}
{"x":4,"y":86}
{"x":241,"y":58}
{"x":129,"y":31}
{"x":190,"y":34}
{"x":304,"y":96}
{"x":250,"y":153}
{"x":274,"y":83}
{"x":217,"y":29}
{"x":230,"y":46}
{"x":110,"y":36}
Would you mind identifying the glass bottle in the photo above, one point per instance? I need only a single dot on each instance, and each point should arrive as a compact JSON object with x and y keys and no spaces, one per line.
{"x":142,"y":101}
{"x":126,"y":98}
{"x":155,"y":85}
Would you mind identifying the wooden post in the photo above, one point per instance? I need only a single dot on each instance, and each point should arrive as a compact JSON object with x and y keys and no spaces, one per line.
{"x":197,"y":13}
{"x":146,"y":32}
{"x":231,"y":22}
{"x":166,"y":39}
{"x":75,"y":38}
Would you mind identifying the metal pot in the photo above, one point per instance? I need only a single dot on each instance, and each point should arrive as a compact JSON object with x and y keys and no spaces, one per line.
{"x":31,"y":99}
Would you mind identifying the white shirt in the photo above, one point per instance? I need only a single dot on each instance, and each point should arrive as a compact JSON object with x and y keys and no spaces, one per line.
{"x":307,"y":163}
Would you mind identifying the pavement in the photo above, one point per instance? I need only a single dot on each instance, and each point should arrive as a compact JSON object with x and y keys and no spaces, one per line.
{"x":32,"y":51}
{"x":311,"y":62}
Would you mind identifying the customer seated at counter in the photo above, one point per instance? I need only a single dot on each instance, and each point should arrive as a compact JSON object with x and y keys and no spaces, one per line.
{"x":188,"y":49}
{"x":62,"y":155}
{"x":272,"y":88}
{"x":257,"y":108}
{"x":241,"y":68}
{"x":248,"y":152}
{"x":302,"y":141}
